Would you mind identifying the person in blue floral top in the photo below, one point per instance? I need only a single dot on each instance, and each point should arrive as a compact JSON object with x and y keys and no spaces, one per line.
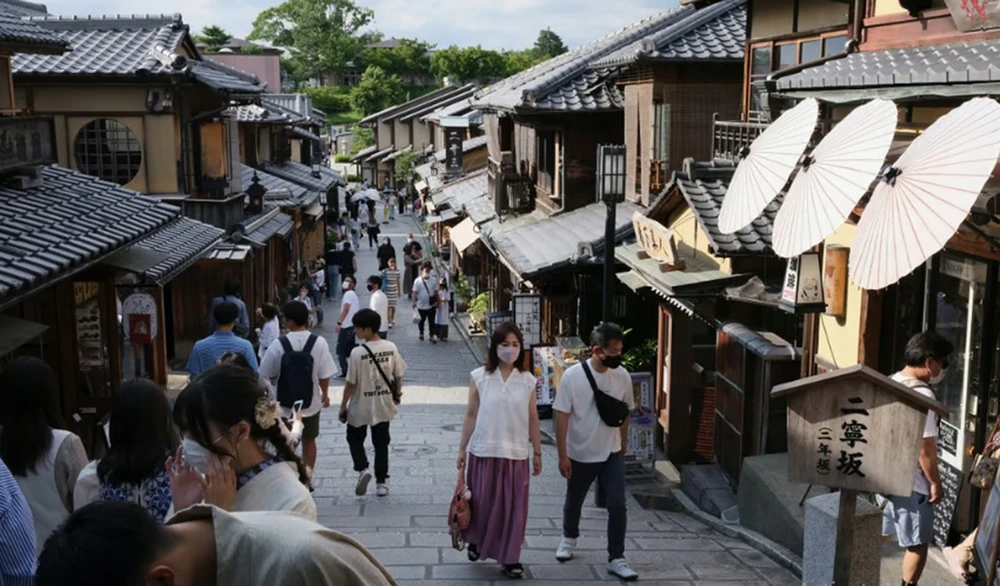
{"x":142,"y":437}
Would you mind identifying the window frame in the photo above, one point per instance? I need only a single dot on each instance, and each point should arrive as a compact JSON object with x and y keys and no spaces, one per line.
{"x":93,"y":163}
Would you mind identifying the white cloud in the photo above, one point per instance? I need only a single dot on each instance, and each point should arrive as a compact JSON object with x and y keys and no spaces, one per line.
{"x":496,"y":24}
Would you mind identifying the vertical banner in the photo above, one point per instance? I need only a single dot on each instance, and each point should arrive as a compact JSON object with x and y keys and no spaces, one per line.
{"x":642,"y":423}
{"x":453,"y":139}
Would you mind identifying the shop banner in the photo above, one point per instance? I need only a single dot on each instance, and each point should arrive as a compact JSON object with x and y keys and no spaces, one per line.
{"x":543,"y":366}
{"x":642,"y":424}
{"x":453,"y":139}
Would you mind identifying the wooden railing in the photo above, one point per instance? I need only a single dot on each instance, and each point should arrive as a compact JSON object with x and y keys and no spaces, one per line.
{"x":731,"y":138}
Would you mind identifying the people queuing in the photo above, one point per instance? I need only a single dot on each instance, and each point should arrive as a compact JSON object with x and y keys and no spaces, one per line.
{"x":500,"y":436}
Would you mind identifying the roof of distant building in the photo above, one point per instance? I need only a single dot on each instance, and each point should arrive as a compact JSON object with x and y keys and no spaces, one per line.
{"x":22,"y":8}
{"x":303,"y":175}
{"x":129,"y":46}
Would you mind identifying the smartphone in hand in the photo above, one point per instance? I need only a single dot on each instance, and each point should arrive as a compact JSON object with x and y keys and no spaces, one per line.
{"x":296,"y":407}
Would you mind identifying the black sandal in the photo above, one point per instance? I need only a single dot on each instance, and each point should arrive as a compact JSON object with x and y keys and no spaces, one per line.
{"x":514,"y":571}
{"x":473,"y":553}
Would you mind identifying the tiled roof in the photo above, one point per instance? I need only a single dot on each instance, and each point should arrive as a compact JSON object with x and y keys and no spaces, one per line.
{"x":955,"y":63}
{"x":530,"y":88}
{"x":29,"y":37}
{"x":714,"y":33}
{"x":296,"y":193}
{"x":453,"y":109}
{"x":462,"y":94}
{"x":185,"y":241}
{"x":129,"y":46}
{"x":553,"y":242}
{"x":457,"y":193}
{"x":22,"y":8}
{"x":704,"y":192}
{"x":396,"y":154}
{"x":480,"y":209}
{"x":303,"y":133}
{"x":65,"y":224}
{"x":281,"y":225}
{"x":395,"y":110}
{"x":363,"y":154}
{"x":303,"y":175}
{"x":262,"y":114}
{"x":301,"y":104}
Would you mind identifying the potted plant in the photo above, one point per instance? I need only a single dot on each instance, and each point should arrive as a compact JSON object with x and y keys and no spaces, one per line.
{"x":463,"y":293}
{"x":641,"y":358}
{"x":478,"y":307}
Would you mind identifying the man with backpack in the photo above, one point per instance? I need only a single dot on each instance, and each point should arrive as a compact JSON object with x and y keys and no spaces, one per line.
{"x":374,"y":388}
{"x":299,"y":366}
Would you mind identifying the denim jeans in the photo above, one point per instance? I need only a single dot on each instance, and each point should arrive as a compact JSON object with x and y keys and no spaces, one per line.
{"x":611,"y":476}
{"x":380,"y":439}
{"x":332,"y":281}
{"x":345,"y":343}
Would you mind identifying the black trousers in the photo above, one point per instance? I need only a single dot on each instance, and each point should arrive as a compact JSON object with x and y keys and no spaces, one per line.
{"x":427,"y":315}
{"x":380,"y":439}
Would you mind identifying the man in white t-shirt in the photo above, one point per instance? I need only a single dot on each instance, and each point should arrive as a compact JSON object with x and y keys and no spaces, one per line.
{"x":424,"y":291}
{"x":911,"y":518}
{"x":591,"y":450}
{"x":296,"y":320}
{"x":349,"y":305}
{"x":379,"y":303}
{"x":370,"y":400}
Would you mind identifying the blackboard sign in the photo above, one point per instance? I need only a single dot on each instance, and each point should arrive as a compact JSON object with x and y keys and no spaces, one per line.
{"x":944,"y":511}
{"x":947,"y":438}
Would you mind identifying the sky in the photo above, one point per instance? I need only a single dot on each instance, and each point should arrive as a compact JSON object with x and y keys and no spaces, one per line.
{"x":494,"y":24}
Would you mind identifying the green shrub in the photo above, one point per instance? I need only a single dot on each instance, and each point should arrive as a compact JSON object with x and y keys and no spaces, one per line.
{"x":332,"y":100}
{"x":342,"y":158}
{"x":354,"y":178}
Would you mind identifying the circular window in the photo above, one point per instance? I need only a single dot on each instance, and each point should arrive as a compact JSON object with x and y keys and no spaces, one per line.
{"x":108,"y":150}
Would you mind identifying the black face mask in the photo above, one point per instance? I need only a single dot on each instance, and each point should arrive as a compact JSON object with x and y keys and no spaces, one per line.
{"x":612,"y":361}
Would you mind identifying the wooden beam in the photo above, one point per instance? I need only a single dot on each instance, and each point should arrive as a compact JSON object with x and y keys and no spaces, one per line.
{"x":159,"y":367}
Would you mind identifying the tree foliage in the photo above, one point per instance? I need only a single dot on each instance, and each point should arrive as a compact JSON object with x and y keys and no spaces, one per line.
{"x":330,"y":99}
{"x":410,"y":58}
{"x":518,"y":61}
{"x":406,"y":164}
{"x":320,"y":34}
{"x":376,"y":91}
{"x":469,"y":64}
{"x":213,"y":37}
{"x":549,"y":44}
{"x":363,"y":136}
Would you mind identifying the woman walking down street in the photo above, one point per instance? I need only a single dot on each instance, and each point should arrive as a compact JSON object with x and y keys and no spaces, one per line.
{"x":443,"y":315}
{"x":233,"y":437}
{"x":393,"y":202}
{"x":384,"y":253}
{"x":142,"y":437}
{"x":412,"y":255}
{"x":44,"y":461}
{"x":391,"y":285}
{"x":271,"y":330}
{"x":355,"y":225}
{"x":348,"y":262}
{"x":373,"y":231}
{"x":499,"y":434}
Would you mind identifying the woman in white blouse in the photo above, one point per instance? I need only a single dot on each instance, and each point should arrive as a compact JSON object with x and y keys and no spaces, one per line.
{"x":499,"y":435}
{"x":271,"y":330}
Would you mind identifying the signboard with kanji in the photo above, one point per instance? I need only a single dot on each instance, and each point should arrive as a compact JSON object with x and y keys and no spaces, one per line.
{"x":855,"y":429}
{"x":974,"y":15}
{"x":656,"y":241}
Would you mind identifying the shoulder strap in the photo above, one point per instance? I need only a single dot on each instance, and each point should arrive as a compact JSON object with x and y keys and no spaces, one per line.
{"x":309,"y":344}
{"x":424,"y":281}
{"x":590,"y":376}
{"x":285,"y":344}
{"x":392,"y":387}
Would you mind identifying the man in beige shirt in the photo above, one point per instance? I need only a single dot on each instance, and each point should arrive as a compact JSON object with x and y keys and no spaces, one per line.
{"x":119,"y":543}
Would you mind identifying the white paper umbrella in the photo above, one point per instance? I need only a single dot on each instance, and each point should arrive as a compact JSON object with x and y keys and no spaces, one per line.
{"x":923,"y":198}
{"x":366,"y":194}
{"x":833,"y":177}
{"x":767,"y":166}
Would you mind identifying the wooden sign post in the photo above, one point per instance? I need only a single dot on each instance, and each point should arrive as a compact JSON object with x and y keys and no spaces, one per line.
{"x":857,"y":430}
{"x":657,"y":243}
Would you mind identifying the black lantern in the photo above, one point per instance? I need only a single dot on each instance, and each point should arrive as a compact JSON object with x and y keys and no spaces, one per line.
{"x":610,"y":190}
{"x":256,"y":193}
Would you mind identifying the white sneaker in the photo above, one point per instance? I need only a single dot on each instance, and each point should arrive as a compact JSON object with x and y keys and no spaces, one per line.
{"x":364,"y":477}
{"x":619,"y":568}
{"x":382,"y":489}
{"x":565,"y":551}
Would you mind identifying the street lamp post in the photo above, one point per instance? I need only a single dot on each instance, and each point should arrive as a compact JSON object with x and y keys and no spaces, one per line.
{"x":611,"y":191}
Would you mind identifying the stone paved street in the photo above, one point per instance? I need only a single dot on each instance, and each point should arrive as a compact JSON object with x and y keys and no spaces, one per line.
{"x":406,"y":531}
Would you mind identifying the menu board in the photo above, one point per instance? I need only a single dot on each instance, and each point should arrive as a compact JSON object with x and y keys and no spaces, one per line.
{"x":527,"y":314}
{"x":543,"y":366}
{"x":944,"y":511}
{"x":642,"y":423}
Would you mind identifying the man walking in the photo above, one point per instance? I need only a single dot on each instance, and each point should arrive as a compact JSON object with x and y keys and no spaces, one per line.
{"x":207,"y":351}
{"x":379,"y":303}
{"x":424,"y":294}
{"x":911,"y":518}
{"x":374,"y":388}
{"x":589,"y":448}
{"x":349,"y":305}
{"x":231,"y":293}
{"x":299,"y":366}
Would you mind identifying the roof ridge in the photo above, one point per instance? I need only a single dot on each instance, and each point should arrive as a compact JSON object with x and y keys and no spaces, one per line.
{"x":244,"y":75}
{"x":699,"y":18}
{"x":29,"y":5}
{"x":109,"y":21}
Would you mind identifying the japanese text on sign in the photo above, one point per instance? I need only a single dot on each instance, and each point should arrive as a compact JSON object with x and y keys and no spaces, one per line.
{"x":851,"y":442}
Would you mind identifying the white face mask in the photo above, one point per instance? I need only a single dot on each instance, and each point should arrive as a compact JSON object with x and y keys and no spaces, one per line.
{"x":345,"y":285}
{"x":196,"y":455}
{"x":940,"y":377}
{"x":508,"y":354}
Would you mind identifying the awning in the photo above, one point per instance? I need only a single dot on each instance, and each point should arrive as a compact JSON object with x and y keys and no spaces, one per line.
{"x":847,"y":96}
{"x":233,"y":252}
{"x":136,"y":259}
{"x":315,"y":210}
{"x":15,"y":333}
{"x":281,"y":225}
{"x":303,"y":133}
{"x":363,"y":154}
{"x":183,"y":241}
{"x":464,"y":235}
{"x":444,"y":216}
{"x":693,"y":279}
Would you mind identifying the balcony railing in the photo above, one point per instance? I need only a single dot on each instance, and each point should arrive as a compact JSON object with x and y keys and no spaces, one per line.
{"x":511,"y":191}
{"x":26,"y":141}
{"x":730,"y":139}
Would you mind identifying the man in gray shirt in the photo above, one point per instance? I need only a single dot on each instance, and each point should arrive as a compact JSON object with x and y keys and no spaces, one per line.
{"x":425,"y":290}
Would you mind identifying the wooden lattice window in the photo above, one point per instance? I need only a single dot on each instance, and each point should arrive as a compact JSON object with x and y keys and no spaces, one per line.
{"x":108,"y":150}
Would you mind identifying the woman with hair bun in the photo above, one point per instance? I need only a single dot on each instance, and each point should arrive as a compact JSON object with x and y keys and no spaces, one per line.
{"x":234,"y":453}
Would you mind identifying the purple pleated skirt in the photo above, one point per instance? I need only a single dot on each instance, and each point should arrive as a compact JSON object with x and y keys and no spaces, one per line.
{"x":499,"y":507}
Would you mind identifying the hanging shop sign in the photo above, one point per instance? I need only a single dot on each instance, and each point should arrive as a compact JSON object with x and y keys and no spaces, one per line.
{"x":455,"y":130}
{"x":642,"y":422}
{"x":527,"y":314}
{"x":657,"y":242}
{"x":972,"y":15}
{"x":803,"y":290}
{"x":139,"y":318}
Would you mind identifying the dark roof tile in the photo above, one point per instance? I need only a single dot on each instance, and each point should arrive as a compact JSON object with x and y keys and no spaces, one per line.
{"x":303,"y":175}
{"x":185,"y":241}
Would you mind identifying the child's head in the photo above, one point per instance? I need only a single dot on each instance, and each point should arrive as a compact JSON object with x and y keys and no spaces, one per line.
{"x":268,"y":311}
{"x":367,"y":324}
{"x":303,"y":289}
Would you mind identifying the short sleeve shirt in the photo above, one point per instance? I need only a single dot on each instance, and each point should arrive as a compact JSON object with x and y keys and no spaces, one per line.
{"x":920,"y":482}
{"x":589,"y":439}
{"x":424,"y":288}
{"x":323,"y":366}
{"x":371,"y":402}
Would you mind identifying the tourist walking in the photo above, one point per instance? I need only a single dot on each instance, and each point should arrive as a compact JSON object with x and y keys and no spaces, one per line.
{"x":348,"y":262}
{"x":499,"y":433}
{"x":355,"y":226}
{"x":911,"y":518}
{"x":271,"y":330}
{"x":401,"y":200}
{"x":231,"y":294}
{"x":17,"y":547}
{"x":374,"y":388}
{"x":425,"y":301}
{"x":349,"y":305}
{"x":142,"y":437}
{"x":591,"y":449}
{"x":45,"y":461}
{"x":206,"y":352}
{"x":305,"y":298}
{"x":391,"y":286}
{"x":373,"y":231}
{"x":412,"y":257}
{"x":393,"y":202}
{"x":442,"y":316}
{"x":203,"y":545}
{"x":332,"y":258}
{"x":299,"y":366}
{"x":384,"y":253}
{"x":379,"y":303}
{"x":233,"y":454}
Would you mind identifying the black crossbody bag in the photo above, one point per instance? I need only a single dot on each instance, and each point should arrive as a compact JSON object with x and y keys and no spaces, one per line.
{"x":613,"y":412}
{"x":397,"y":395}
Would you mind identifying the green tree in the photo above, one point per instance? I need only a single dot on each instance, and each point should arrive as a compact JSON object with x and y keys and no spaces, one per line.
{"x":468,"y":64}
{"x":518,"y":61}
{"x":320,"y":34}
{"x":251,"y":49}
{"x":410,"y":58}
{"x":293,"y":72}
{"x":330,"y":99}
{"x":376,"y":91}
{"x":213,"y":38}
{"x":549,"y":44}
{"x":406,"y":165}
{"x":364,"y":137}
